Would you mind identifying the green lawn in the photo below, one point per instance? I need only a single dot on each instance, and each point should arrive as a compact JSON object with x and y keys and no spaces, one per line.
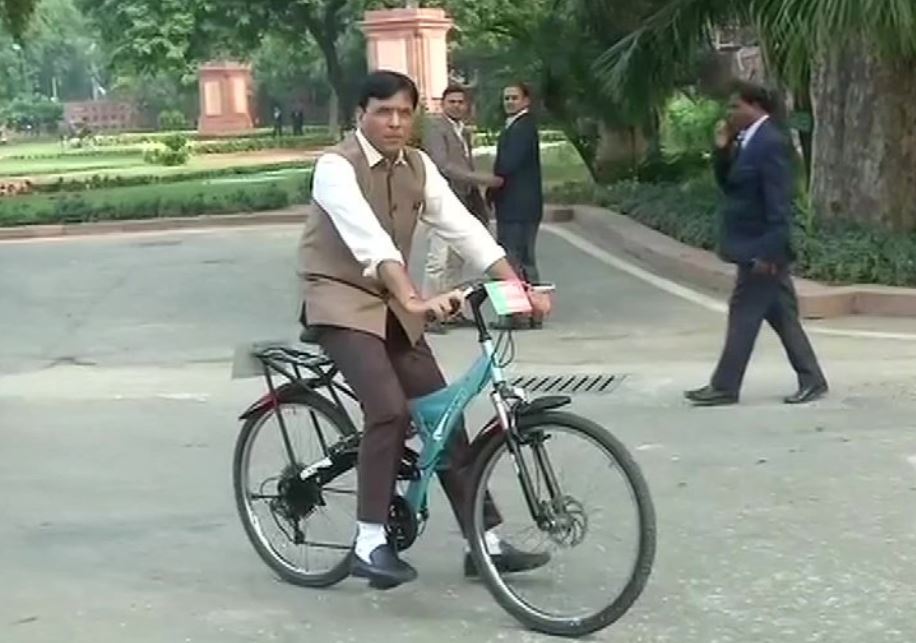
{"x":64,"y":165}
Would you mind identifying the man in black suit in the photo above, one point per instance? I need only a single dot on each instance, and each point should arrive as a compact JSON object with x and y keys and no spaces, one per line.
{"x":519,"y":203}
{"x":752,"y":166}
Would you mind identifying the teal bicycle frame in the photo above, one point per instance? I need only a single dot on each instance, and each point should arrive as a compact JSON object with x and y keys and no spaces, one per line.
{"x":438,"y":415}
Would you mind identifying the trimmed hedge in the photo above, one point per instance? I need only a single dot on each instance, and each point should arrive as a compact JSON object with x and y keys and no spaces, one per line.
{"x":135,"y":138}
{"x":833,"y":251}
{"x":263,"y":143}
{"x":77,"y":153}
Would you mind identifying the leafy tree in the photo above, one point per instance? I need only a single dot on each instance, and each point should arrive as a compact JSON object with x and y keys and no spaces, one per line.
{"x":54,"y":56}
{"x":15,"y":16}
{"x":554,"y":43}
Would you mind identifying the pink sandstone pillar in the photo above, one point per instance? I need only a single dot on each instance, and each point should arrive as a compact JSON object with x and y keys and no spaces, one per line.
{"x":226,"y":91}
{"x":413,"y":42}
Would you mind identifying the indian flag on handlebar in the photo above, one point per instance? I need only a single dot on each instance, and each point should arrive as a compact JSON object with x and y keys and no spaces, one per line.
{"x":508,"y":297}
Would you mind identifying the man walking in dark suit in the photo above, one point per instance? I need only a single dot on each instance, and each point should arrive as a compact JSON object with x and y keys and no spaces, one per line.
{"x":752,"y":166}
{"x":520,"y":201}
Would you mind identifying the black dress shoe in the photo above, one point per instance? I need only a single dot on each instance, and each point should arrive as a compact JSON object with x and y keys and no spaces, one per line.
{"x":509,"y":560}
{"x":807,"y":394}
{"x":384,"y":569}
{"x":709,"y":396}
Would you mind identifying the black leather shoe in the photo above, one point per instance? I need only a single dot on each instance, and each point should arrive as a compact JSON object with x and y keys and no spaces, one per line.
{"x":384,"y":569}
{"x":509,"y":560}
{"x":807,"y":394}
{"x":709,"y":396}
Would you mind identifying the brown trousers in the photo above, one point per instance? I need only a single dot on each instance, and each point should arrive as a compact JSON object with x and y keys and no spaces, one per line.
{"x":384,"y":375}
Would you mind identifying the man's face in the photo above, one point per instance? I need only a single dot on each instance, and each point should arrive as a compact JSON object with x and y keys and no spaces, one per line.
{"x":514,"y":100}
{"x":455,"y":106}
{"x":742,"y":115}
{"x":387,"y":123}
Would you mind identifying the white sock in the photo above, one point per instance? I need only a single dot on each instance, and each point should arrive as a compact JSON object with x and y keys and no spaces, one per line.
{"x":491,"y":538}
{"x":369,"y":535}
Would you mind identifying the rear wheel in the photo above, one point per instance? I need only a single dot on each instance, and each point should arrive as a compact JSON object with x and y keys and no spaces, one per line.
{"x":594,"y":516}
{"x":301,"y":525}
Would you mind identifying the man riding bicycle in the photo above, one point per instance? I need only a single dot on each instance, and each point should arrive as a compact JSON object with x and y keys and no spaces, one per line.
{"x":369,"y":193}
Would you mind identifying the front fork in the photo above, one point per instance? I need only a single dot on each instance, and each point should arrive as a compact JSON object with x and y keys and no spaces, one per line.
{"x":506,"y":400}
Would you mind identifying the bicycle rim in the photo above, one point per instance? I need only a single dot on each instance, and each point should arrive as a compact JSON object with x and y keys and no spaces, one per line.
{"x":304,"y":533}
{"x":602,"y":538}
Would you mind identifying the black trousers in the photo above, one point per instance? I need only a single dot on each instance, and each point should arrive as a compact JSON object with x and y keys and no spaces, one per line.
{"x":384,"y":375}
{"x":519,"y":241}
{"x":757,"y":298}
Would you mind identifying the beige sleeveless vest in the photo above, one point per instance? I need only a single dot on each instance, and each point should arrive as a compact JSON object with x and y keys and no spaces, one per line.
{"x":334,"y":289}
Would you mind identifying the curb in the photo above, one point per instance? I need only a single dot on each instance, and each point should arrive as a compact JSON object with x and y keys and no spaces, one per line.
{"x":291,"y":215}
{"x":705,"y":270}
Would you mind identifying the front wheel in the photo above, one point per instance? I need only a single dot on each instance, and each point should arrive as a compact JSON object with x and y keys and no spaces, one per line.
{"x":587,"y":505}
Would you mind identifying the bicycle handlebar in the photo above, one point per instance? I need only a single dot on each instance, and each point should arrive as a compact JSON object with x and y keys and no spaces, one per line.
{"x":476,"y":294}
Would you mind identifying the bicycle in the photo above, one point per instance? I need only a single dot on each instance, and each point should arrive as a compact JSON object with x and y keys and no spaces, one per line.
{"x":300,"y":492}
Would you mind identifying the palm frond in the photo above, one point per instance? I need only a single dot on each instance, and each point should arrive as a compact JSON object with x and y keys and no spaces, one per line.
{"x":647,"y":62}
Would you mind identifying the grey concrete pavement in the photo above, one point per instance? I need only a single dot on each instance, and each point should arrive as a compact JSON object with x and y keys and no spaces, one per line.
{"x":117,"y":422}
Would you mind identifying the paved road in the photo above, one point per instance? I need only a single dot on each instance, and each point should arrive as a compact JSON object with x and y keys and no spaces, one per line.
{"x":117,"y":422}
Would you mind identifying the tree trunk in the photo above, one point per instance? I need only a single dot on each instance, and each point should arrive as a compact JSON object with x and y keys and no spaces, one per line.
{"x":334,"y":113}
{"x":864,"y":157}
{"x":619,"y":153}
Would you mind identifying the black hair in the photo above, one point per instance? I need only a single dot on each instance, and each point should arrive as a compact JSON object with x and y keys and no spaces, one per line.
{"x":524,"y":88}
{"x":754,"y":94}
{"x":455,"y":88}
{"x":383,"y":84}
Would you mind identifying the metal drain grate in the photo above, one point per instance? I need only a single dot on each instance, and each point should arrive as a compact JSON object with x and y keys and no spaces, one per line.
{"x":567,"y":384}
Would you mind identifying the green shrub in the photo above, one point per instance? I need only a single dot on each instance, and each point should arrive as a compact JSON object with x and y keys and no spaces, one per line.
{"x":172,"y":120}
{"x":174,"y":151}
{"x":833,"y":251}
{"x":672,"y":168}
{"x":688,"y":124}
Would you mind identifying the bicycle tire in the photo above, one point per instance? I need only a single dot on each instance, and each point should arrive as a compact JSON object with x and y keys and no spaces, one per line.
{"x":528,"y":616}
{"x":289,"y":395}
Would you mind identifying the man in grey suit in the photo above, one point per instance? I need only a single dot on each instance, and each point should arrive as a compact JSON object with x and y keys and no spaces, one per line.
{"x":447,"y":140}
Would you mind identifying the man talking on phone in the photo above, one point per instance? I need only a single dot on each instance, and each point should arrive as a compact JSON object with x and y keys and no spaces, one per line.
{"x":753,"y":169}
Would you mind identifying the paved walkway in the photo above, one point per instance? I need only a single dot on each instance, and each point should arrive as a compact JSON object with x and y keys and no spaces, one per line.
{"x":118,"y":422}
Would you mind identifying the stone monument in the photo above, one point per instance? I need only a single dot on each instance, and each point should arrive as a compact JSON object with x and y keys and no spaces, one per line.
{"x":412,"y":41}
{"x":226,"y":91}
